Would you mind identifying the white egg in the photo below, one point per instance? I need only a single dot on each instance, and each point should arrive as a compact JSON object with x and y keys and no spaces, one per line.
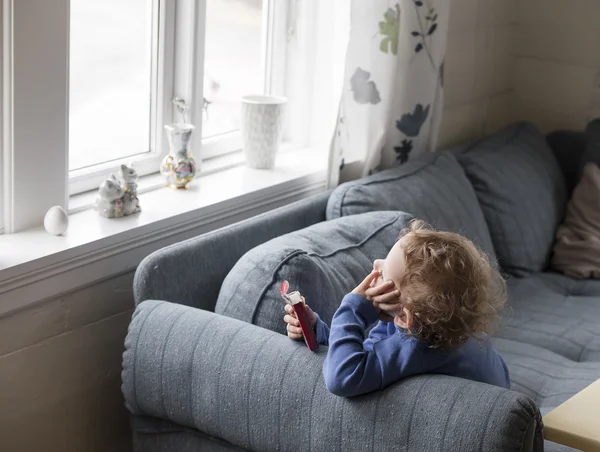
{"x":56,"y":220}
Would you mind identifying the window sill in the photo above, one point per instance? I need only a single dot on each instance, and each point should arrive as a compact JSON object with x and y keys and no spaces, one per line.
{"x":35,"y":265}
{"x":85,"y":200}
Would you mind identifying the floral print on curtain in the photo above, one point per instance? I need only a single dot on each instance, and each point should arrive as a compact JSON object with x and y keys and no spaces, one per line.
{"x":392,"y":99}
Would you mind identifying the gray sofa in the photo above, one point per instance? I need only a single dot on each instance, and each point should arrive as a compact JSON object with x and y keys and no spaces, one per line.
{"x":207,"y":365}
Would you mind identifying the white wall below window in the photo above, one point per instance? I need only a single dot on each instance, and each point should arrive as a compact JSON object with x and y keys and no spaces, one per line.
{"x":60,"y":372}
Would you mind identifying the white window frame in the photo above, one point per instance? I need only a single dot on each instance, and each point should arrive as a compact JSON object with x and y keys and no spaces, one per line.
{"x":35,"y":93}
{"x":178,"y":20}
{"x":274,"y":47}
{"x":162,"y":79}
{"x":34,"y":152}
{"x":314,"y":69}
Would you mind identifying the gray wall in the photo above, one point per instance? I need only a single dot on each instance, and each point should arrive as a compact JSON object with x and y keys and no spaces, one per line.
{"x":478,"y":89}
{"x":60,"y":365}
{"x":557,"y":68}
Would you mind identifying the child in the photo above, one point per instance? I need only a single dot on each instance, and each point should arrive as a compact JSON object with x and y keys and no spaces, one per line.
{"x":444,"y":296}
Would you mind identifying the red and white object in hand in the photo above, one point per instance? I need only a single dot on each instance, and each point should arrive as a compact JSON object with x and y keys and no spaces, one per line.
{"x":297,"y":302}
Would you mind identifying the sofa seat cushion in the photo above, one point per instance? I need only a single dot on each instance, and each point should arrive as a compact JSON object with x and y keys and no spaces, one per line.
{"x":547,"y":377}
{"x":556,"y":313}
{"x":324,"y":262}
{"x":522,"y":192}
{"x":432,"y":187}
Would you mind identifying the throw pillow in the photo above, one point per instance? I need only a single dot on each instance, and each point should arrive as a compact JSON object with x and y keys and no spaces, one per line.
{"x":432,"y":187}
{"x":577,"y":248}
{"x":324,"y":262}
{"x":522,"y":192}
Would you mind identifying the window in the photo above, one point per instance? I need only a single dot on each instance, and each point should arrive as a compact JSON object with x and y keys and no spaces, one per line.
{"x":234,"y":57}
{"x":119,"y":77}
{"x":120,"y":82}
{"x":111,"y":92}
{"x":88,"y":84}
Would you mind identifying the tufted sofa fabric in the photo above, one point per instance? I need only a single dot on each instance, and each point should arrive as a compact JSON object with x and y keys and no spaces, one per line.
{"x":195,"y":380}
{"x":522,"y":192}
{"x":550,"y":337}
{"x":557,"y":313}
{"x":547,"y":377}
{"x":433,"y":188}
{"x":550,"y":332}
{"x":324,"y":261}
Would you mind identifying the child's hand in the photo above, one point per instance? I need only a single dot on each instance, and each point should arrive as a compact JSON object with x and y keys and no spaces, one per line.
{"x":362,"y":288}
{"x":383,"y":296}
{"x":293,"y":325}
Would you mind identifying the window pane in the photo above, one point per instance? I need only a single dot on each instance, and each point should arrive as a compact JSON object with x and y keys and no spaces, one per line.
{"x":110,"y":80}
{"x":232,"y":62}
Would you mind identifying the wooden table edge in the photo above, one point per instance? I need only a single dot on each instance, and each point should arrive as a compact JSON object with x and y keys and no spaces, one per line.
{"x":571,"y":439}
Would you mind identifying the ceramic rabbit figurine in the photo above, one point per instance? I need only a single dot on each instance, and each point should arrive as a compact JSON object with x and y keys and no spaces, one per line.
{"x":109,"y":203}
{"x":117,"y":196}
{"x":127,"y":178}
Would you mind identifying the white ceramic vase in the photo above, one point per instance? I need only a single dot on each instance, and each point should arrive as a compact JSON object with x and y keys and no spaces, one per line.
{"x":179,"y":166}
{"x":262,"y":121}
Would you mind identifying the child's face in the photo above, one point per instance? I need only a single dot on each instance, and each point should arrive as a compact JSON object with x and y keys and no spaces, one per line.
{"x":392,"y":267}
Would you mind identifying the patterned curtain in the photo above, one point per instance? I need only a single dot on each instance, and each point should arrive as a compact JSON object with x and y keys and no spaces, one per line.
{"x":392,"y":99}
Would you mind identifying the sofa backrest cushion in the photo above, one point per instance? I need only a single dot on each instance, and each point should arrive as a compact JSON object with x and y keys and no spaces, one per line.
{"x":568,"y":147}
{"x":432,"y":187}
{"x":324,"y":262}
{"x":591,"y":152}
{"x":522,"y":192}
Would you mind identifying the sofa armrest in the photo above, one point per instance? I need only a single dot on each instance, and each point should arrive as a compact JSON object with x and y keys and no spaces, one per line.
{"x":191,"y":272}
{"x":261,"y":391}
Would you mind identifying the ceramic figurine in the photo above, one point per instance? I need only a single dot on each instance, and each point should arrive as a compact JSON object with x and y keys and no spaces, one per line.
{"x":127,"y":179}
{"x":179,"y":167}
{"x":109,"y":203}
{"x":117,"y":196}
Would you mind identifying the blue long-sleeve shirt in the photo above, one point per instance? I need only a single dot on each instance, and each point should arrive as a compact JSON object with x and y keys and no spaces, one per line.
{"x":356,"y":365}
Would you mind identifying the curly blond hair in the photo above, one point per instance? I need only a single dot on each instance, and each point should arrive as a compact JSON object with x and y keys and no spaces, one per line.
{"x":449,"y":286}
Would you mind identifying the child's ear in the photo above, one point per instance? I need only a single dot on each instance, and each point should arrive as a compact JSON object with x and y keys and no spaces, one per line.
{"x":404,"y":319}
